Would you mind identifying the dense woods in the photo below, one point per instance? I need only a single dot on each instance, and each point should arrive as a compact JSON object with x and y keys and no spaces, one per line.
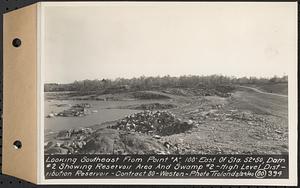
{"x":144,"y":83}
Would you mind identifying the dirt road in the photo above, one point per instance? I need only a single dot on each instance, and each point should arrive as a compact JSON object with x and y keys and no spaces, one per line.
{"x":259,"y":91}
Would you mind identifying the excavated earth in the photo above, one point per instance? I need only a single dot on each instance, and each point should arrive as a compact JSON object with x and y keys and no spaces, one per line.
{"x":240,"y":122}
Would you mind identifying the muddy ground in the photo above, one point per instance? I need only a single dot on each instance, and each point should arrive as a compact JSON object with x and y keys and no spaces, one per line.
{"x":242,"y":121}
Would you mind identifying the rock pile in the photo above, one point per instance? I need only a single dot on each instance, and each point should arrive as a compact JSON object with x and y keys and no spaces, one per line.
{"x":217,"y":113}
{"x":72,"y":141}
{"x":156,"y":123}
{"x":77,"y":110}
{"x":67,"y":134}
{"x":221,"y":91}
{"x":103,"y":141}
{"x":154,"y":106}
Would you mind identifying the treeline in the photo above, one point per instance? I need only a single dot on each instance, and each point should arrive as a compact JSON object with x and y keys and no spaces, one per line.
{"x":144,"y":83}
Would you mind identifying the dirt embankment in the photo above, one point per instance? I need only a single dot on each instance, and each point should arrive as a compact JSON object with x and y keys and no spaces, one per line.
{"x":278,"y":88}
{"x":158,"y":93}
{"x":202,"y":90}
{"x":136,"y":95}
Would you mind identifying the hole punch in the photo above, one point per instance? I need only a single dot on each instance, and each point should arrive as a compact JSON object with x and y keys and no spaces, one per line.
{"x":17,"y":144}
{"x":16,"y":42}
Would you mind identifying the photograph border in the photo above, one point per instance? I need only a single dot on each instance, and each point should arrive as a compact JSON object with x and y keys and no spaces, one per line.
{"x":292,"y":96}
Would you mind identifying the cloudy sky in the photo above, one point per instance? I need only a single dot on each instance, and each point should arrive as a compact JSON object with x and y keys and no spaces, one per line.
{"x":110,"y":40}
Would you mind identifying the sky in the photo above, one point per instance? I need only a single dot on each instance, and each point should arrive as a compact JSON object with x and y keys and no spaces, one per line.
{"x":113,"y":40}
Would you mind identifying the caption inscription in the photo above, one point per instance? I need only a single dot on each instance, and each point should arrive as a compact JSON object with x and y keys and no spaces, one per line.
{"x":165,"y":166}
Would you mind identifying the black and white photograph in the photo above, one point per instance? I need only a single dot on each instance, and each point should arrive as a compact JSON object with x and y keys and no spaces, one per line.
{"x":151,"y":93}
{"x":167,"y":79}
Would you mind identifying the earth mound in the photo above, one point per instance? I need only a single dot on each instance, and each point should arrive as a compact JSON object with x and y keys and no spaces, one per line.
{"x":104,"y":141}
{"x":160,"y":123}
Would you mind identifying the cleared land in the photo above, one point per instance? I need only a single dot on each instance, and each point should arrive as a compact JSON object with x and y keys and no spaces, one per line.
{"x":279,"y":88}
{"x":187,"y":120}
